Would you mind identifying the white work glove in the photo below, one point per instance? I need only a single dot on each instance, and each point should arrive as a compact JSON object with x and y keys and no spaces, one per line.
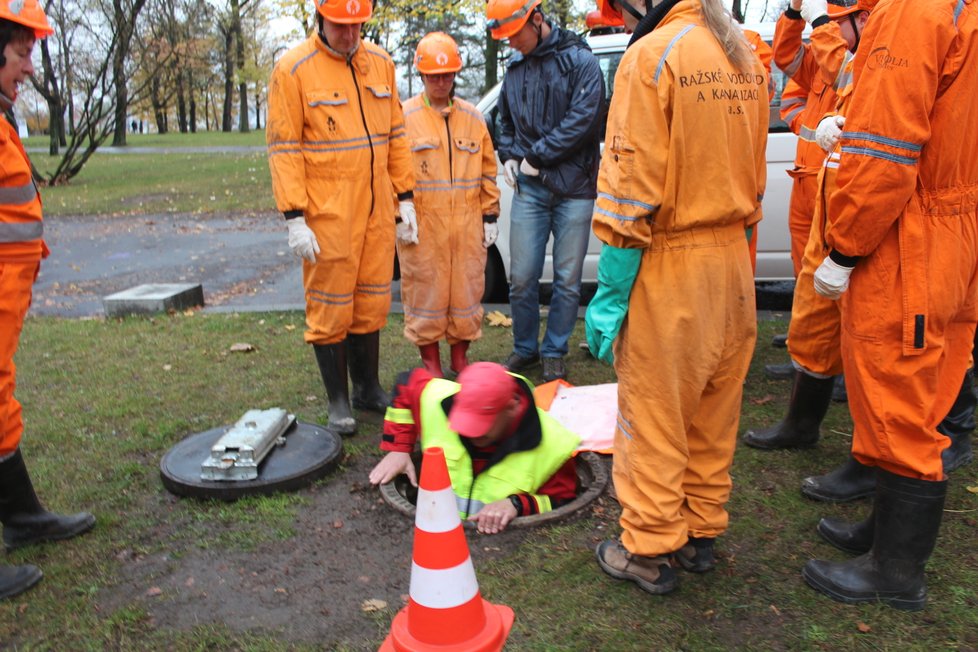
{"x":302,"y":240}
{"x":491,"y":232}
{"x":812,"y":9}
{"x":407,"y":228}
{"x":828,"y":131}
{"x":832,"y":279}
{"x":510,"y":169}
{"x":528,"y":169}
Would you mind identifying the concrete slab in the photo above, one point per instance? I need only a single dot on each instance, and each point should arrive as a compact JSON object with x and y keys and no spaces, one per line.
{"x":152,"y":298}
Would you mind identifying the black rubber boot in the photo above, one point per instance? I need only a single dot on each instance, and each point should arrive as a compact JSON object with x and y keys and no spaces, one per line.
{"x":364,"y":363}
{"x":332,"y":367}
{"x":908,"y":517}
{"x":779,"y":371}
{"x":854,"y":538}
{"x":25,"y":521}
{"x":14,"y":580}
{"x":780,"y":341}
{"x":850,"y":481}
{"x":958,"y":426}
{"x":809,"y":402}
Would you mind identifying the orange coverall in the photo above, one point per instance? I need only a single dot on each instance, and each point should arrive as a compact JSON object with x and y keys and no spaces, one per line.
{"x":21,"y":251}
{"x":797,"y":59}
{"x":682,"y":176}
{"x":814,"y":330}
{"x":765,"y":54}
{"x":338,"y":154}
{"x":443,"y":276}
{"x":907,"y":206}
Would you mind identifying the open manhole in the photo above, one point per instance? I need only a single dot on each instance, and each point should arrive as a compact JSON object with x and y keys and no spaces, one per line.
{"x":592,"y":476}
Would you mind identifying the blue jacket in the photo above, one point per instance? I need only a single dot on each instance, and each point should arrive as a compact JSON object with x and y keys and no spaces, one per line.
{"x":550,"y":109}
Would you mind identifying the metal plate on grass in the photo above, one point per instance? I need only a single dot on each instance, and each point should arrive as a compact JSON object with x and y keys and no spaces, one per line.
{"x":309,"y":453}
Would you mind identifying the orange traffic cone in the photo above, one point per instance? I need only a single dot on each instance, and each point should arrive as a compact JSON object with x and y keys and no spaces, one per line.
{"x":445,"y":611}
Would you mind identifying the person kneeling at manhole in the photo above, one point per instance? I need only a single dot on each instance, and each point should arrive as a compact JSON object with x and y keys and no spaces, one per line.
{"x":506,"y":457}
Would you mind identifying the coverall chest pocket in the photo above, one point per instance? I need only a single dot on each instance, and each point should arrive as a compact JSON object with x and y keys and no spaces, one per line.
{"x":427,"y":154}
{"x":329,"y":122}
{"x":377,"y":108}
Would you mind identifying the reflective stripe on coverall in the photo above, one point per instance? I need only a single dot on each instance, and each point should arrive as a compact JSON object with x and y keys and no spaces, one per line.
{"x":520,"y":472}
{"x":797,"y":59}
{"x":906,"y":204}
{"x":682,"y":176}
{"x":21,"y":250}
{"x":443,"y":276}
{"x":338,"y":153}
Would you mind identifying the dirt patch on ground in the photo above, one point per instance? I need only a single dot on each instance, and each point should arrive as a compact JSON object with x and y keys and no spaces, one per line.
{"x":350,"y":547}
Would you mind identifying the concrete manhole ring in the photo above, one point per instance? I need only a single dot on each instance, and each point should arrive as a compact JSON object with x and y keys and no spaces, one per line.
{"x":591,"y":472}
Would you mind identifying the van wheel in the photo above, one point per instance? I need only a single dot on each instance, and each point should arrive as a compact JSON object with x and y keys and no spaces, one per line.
{"x":496,"y":289}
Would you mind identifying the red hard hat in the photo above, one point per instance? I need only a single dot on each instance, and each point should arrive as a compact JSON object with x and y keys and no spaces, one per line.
{"x":596,"y":19}
{"x":610,"y":14}
{"x":27,"y":13}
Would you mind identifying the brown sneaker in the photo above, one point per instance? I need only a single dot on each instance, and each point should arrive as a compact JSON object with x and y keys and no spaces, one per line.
{"x":696,"y":556}
{"x":652,"y":574}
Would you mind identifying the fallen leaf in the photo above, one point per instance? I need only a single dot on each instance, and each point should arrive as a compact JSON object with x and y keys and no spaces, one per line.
{"x":777,"y":612}
{"x":373,"y":605}
{"x":312,"y":398}
{"x":22,"y":608}
{"x":764,"y":400}
{"x":242,"y":347}
{"x":496,"y":318}
{"x":290,"y":327}
{"x":154,"y":591}
{"x":973,"y":490}
{"x":167,"y":367}
{"x":337,"y":524}
{"x":190,"y":582}
{"x":281,"y":590}
{"x":863,"y":627}
{"x":189,"y":312}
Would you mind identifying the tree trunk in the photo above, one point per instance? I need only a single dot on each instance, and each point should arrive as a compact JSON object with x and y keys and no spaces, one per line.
{"x":738,"y":11}
{"x":181,"y":104}
{"x":193,"y":103}
{"x":228,"y":80}
{"x":243,"y":126}
{"x":492,"y":62}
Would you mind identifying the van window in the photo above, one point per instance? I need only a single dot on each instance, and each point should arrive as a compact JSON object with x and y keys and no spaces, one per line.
{"x":609,"y":66}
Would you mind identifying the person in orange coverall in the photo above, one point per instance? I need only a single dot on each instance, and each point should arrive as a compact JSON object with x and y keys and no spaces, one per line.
{"x":443,"y":274}
{"x":25,"y":521}
{"x":904,"y":260}
{"x":681,"y":179}
{"x":338,"y":154}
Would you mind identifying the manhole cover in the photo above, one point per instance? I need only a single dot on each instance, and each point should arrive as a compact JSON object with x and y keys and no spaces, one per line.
{"x":592,"y":474}
{"x":309,"y":453}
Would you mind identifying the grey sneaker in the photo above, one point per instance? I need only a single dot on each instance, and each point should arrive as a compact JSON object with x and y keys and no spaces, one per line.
{"x":516,"y":362}
{"x":553,"y":368}
{"x":652,"y":574}
{"x":696,"y":556}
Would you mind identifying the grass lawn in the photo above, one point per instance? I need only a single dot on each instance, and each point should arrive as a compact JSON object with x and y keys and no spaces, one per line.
{"x":174,"y":182}
{"x":103,"y":400}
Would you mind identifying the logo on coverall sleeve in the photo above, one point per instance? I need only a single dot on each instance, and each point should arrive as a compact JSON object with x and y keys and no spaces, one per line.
{"x":881,"y":59}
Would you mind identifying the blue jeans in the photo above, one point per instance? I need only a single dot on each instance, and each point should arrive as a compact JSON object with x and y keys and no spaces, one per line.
{"x":535,"y":214}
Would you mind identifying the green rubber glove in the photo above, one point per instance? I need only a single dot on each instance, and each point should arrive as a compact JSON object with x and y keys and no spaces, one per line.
{"x":617,"y":269}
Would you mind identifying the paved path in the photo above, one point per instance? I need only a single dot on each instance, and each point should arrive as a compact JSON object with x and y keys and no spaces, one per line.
{"x":242,"y":262}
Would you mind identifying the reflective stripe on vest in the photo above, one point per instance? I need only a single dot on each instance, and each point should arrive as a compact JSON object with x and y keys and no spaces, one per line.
{"x":21,"y":231}
{"x":519,"y":472}
{"x":18,"y":195}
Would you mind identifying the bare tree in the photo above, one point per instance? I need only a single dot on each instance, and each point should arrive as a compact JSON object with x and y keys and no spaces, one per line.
{"x":124,"y":15}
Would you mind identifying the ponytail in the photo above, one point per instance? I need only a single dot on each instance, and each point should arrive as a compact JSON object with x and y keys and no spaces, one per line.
{"x":731,"y":36}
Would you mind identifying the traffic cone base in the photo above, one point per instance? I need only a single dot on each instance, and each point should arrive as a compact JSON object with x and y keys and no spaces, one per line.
{"x":445,"y":612}
{"x":499,"y":621}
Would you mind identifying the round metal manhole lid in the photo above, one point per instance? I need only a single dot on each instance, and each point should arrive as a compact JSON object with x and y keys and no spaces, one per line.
{"x":592,"y":473}
{"x":309,"y":453}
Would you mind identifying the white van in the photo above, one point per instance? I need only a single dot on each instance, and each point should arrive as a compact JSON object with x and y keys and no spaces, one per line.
{"x":774,"y":240}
